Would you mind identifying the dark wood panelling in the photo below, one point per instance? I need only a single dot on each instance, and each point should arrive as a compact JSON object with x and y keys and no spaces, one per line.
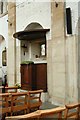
{"x":41,"y":76}
{"x":34,"y":76}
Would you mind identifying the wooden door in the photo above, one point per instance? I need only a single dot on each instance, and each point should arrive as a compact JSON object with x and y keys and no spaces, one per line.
{"x":26,"y":76}
{"x":41,"y":76}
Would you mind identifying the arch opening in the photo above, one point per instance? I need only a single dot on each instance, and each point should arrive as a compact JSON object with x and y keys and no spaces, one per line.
{"x":33,"y":26}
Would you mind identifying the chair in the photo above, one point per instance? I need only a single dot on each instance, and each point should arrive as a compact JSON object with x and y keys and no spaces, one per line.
{"x":72,"y":111}
{"x":19,"y":102}
{"x":5,"y":107}
{"x":34,"y":100}
{"x":11,"y":89}
{"x":1,"y":87}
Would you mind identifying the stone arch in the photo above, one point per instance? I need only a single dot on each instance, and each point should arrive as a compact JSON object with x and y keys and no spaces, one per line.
{"x":1,"y":39}
{"x":33,"y":25}
{"x":3,"y":51}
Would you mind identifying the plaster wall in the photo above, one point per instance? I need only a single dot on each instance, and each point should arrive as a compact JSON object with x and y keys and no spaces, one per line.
{"x":62,"y":57}
{"x":11,"y":66}
{"x":4,"y":27}
{"x":71,"y":69}
{"x":4,"y":43}
{"x":56,"y":56}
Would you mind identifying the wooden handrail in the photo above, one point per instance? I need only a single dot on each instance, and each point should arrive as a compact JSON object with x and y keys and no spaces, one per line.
{"x":11,"y":87}
{"x":52,"y":111}
{"x":70,"y":106}
{"x":35,"y":91}
{"x":19,"y":93}
{"x":4,"y":94}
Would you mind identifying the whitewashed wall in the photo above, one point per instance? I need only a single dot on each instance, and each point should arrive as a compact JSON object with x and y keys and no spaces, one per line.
{"x":28,"y":12}
{"x":4,"y":33}
{"x":4,"y":28}
{"x":72,"y":47}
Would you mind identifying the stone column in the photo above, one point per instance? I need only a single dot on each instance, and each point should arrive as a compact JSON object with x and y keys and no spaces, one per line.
{"x":56,"y":54}
{"x":11,"y":61}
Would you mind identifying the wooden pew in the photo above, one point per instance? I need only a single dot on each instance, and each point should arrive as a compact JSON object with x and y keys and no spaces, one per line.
{"x":72,"y":111}
{"x":11,"y":89}
{"x":1,"y":89}
{"x":5,"y":107}
{"x":51,"y":112}
{"x":39,"y":114}
{"x":19,"y":102}
{"x":34,"y":100}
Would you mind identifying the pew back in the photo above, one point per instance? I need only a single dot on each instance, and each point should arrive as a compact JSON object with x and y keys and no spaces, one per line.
{"x":11,"y":89}
{"x":5,"y":107}
{"x":39,"y":114}
{"x":19,"y":102}
{"x":34,"y":99}
{"x":72,"y":111}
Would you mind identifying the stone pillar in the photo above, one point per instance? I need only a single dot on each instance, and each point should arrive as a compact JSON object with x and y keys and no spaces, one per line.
{"x":11,"y":61}
{"x":56,"y":54}
{"x":4,"y":6}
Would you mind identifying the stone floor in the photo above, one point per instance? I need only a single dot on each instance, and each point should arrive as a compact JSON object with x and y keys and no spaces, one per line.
{"x":47,"y":105}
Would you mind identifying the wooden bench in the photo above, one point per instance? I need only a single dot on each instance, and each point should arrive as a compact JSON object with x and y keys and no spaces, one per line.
{"x":1,"y":87}
{"x":19,"y":102}
{"x":51,"y":112}
{"x":72,"y":111}
{"x":34,"y":100}
{"x":11,"y":89}
{"x":5,"y":107}
{"x":39,"y":114}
